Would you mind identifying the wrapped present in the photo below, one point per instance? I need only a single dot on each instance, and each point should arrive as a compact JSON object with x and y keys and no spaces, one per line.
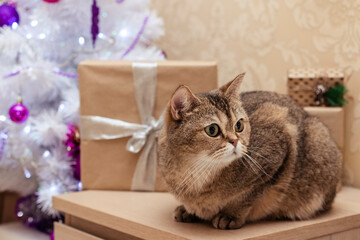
{"x":333,"y":118}
{"x":121,"y":105}
{"x":316,"y":87}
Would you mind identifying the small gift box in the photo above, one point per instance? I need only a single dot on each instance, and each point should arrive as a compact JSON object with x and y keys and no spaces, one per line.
{"x":121,"y":106}
{"x":316,"y":87}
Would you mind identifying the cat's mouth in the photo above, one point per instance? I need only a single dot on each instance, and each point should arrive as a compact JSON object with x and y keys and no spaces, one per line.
{"x":231,"y":156}
{"x":236,"y":152}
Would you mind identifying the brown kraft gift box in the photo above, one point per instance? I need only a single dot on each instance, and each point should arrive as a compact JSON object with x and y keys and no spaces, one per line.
{"x":107,"y":90}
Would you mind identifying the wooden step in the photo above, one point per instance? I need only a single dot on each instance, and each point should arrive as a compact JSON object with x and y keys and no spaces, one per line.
{"x":132,"y":215}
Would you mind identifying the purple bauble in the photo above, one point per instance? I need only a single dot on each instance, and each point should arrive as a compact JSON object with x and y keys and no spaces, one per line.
{"x":18,"y":113}
{"x":8,"y":15}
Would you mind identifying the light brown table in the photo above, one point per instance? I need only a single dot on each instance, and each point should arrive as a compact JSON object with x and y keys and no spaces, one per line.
{"x":133,"y":215}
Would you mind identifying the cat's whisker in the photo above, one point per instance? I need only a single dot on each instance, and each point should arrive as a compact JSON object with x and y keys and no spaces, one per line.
{"x":190,"y":173}
{"x":253,"y":161}
{"x":216,"y":168}
{"x":258,"y":154}
{"x":243,"y":158}
{"x":194,"y":166}
{"x":244,"y":164}
{"x":190,"y":181}
{"x":255,"y":170}
{"x":250,"y":165}
{"x":251,"y":150}
{"x":193,"y":174}
{"x":192,"y":169}
{"x":258,"y":165}
{"x":207,"y":169}
{"x":187,"y":178}
{"x":218,"y":153}
{"x":217,"y":158}
{"x":250,"y":147}
{"x":249,"y":161}
{"x":203,"y":171}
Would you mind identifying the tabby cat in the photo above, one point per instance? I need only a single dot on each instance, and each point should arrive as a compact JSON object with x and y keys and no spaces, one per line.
{"x":233,"y":158}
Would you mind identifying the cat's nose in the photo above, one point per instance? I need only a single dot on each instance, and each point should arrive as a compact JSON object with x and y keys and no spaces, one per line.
{"x":233,"y":142}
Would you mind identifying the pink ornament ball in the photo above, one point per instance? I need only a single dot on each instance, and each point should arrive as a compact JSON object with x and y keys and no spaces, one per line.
{"x":18,"y":113}
{"x":51,"y":1}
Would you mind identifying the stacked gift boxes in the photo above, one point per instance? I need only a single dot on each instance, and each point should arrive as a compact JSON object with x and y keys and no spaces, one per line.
{"x":310,"y":88}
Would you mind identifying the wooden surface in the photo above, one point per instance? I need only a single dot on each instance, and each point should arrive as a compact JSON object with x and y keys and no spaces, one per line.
{"x":63,"y":232}
{"x":97,"y":230}
{"x":353,"y":234}
{"x":17,"y":231}
{"x":149,"y":216}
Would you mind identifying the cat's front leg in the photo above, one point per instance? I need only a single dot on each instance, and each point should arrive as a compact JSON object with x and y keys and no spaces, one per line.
{"x":181,"y":215}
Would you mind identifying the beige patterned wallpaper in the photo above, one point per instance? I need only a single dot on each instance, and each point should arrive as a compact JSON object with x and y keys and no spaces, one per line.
{"x":265,"y":38}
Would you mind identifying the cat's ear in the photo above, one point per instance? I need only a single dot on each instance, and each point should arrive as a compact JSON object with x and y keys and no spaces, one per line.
{"x":232,"y":88}
{"x":182,"y":101}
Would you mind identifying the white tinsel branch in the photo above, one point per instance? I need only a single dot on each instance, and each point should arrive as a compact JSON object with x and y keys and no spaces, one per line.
{"x":38,"y":62}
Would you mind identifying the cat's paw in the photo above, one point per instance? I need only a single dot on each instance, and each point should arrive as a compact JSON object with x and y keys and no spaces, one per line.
{"x":223,"y":221}
{"x":181,"y":215}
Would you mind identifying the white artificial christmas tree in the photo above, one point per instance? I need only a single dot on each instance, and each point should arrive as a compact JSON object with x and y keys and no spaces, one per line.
{"x":39,"y":54}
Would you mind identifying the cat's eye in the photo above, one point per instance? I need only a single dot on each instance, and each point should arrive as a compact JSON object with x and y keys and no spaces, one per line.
{"x":239,"y":126}
{"x":213,"y":130}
